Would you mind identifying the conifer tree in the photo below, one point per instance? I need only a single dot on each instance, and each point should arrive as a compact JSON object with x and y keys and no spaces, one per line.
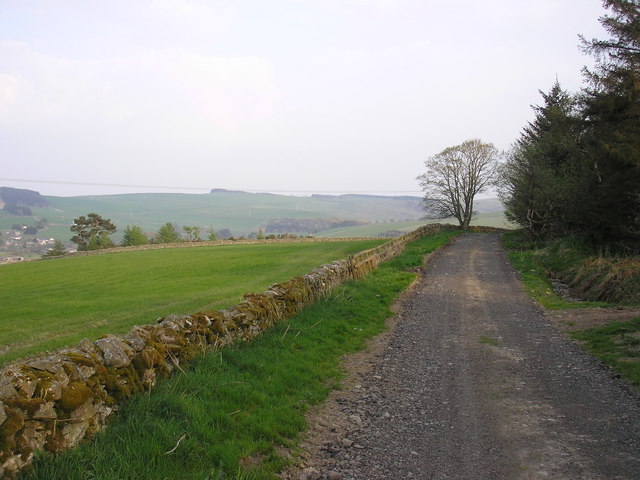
{"x":92,"y":232}
{"x":544,"y":177}
{"x":133,"y":235}
{"x":167,"y":234}
{"x":611,"y":105}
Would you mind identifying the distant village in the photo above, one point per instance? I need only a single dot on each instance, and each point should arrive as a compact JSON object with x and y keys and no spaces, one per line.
{"x":20,"y":243}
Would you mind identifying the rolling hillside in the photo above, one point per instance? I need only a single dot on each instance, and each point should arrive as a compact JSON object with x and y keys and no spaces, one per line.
{"x":240,"y":212}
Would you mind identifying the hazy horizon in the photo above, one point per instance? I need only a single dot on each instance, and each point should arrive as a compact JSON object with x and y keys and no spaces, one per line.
{"x":292,"y":193}
{"x":303,"y":96}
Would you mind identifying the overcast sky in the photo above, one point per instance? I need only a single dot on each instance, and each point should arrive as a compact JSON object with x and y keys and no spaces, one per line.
{"x":270,"y":95}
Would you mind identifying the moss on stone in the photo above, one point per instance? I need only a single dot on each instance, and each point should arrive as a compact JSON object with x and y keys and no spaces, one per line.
{"x":123,"y":382}
{"x":74,"y":395}
{"x":81,"y":359}
{"x":9,"y":429}
{"x":28,"y":405}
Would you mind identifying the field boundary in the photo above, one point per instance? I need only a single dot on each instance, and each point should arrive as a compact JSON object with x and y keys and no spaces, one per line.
{"x":52,"y":401}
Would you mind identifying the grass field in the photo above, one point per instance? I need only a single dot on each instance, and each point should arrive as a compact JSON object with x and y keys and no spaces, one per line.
{"x":228,"y":414}
{"x":54,"y":303}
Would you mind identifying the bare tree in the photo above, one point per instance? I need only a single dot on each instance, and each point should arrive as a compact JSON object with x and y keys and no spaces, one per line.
{"x":455,"y":176}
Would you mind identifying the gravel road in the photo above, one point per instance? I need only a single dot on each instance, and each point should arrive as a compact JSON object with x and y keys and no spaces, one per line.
{"x":473,"y":383}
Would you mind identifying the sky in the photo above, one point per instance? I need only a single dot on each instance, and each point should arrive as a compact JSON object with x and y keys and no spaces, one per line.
{"x":283,"y":96}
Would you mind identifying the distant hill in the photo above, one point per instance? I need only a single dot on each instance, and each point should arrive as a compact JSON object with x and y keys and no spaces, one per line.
{"x":240,"y":212}
{"x":19,"y":196}
{"x":17,"y":201}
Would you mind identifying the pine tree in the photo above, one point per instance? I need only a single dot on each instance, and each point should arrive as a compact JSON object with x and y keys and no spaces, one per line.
{"x":57,"y":250}
{"x":92,"y":232}
{"x":167,"y":234}
{"x":133,"y":235}
{"x":611,"y":105}
{"x":544,"y":178}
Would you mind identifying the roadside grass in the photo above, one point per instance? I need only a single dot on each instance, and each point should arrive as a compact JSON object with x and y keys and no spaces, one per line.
{"x":231,"y":412}
{"x":525,"y":258}
{"x":488,"y":341}
{"x":54,"y":303}
{"x":617,"y":345}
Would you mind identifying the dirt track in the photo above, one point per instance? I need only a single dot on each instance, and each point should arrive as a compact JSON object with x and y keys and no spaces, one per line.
{"x":473,"y":383}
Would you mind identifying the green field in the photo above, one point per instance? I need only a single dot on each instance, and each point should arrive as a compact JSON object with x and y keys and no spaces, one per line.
{"x":54,"y":303}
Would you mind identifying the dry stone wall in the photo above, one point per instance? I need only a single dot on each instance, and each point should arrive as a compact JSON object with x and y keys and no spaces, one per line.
{"x":52,"y":401}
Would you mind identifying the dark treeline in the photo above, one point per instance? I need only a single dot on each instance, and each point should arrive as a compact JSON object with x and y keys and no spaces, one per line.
{"x":19,"y":196}
{"x":306,"y":225}
{"x":575,"y":170}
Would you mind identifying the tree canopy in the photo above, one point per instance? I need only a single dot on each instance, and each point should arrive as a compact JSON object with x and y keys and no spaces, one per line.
{"x":455,"y":176}
{"x":167,"y":234}
{"x":543,"y":180}
{"x":611,"y":110}
{"x":193,"y":233}
{"x":576,"y":168}
{"x":92,"y":232}
{"x":57,"y":249}
{"x":133,"y":235}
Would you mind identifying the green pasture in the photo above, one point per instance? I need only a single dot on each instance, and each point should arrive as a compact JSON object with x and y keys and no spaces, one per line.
{"x":370,"y":230}
{"x":54,"y":303}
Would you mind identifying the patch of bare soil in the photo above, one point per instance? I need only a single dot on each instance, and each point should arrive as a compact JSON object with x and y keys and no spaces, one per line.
{"x":582,"y":318}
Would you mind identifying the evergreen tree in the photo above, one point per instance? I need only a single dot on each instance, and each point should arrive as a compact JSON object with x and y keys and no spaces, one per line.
{"x":133,"y":235}
{"x":611,"y":105}
{"x":543,"y":181}
{"x":167,"y":234}
{"x":100,"y":241}
{"x":92,"y":232}
{"x":57,"y":250}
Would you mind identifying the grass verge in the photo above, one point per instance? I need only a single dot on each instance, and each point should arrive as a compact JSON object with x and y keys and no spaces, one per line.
{"x":232,"y":409}
{"x":617,"y":345}
{"x":526,"y":259}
